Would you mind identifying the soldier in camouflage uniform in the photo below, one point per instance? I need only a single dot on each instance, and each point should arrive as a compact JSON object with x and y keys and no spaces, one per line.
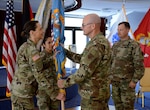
{"x":43,"y":100}
{"x":30,"y":71}
{"x":94,"y":67}
{"x":127,"y":68}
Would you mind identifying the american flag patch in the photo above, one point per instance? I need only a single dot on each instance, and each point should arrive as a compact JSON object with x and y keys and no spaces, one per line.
{"x":35,"y":57}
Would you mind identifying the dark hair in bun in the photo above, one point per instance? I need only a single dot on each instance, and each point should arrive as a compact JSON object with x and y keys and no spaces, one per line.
{"x":30,"y":25}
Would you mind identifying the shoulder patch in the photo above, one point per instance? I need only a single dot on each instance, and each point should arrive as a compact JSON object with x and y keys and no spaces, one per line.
{"x":35,"y":57}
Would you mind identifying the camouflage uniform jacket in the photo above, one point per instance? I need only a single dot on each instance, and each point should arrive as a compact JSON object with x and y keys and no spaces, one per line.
{"x":49,"y":69}
{"x":127,"y":61}
{"x":93,"y":71}
{"x":29,"y":72}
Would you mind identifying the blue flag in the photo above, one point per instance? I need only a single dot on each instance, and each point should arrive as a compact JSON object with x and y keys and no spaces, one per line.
{"x":57,"y":21}
{"x":115,"y":38}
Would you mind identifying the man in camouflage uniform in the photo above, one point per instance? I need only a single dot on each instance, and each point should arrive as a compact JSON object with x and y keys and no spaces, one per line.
{"x":94,"y":67}
{"x":30,"y":71}
{"x":127,"y":68}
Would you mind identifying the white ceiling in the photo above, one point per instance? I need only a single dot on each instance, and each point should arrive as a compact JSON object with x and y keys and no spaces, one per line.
{"x":104,"y":8}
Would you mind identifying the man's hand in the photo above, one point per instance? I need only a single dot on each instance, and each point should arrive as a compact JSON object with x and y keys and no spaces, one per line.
{"x":60,"y":83}
{"x":61,"y":96}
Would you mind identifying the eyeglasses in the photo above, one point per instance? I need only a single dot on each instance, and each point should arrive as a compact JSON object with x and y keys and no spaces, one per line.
{"x":83,"y":25}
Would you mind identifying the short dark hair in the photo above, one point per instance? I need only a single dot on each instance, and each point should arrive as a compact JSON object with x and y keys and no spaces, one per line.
{"x":126,"y":24}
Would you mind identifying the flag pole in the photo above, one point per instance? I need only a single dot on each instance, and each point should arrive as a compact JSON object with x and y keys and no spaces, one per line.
{"x":62,"y":105}
{"x":62,"y":102}
{"x":124,"y":11}
{"x":57,"y":22}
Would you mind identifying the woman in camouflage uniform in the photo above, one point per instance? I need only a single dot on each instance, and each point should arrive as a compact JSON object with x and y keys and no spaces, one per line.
{"x":29,"y":74}
{"x":43,"y":99}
